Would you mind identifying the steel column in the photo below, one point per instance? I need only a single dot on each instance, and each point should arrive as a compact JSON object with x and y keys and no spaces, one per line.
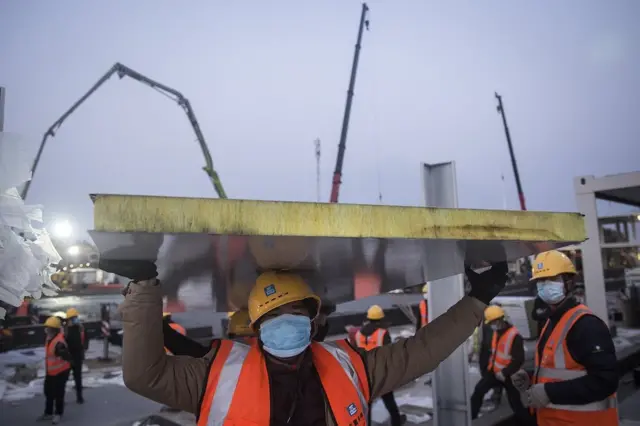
{"x":450,"y":384}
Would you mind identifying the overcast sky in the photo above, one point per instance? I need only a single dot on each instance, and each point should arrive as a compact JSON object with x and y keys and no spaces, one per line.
{"x":265,"y":78}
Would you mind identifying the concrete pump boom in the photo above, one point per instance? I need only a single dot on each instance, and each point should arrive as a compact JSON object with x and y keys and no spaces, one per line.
{"x":123,"y":71}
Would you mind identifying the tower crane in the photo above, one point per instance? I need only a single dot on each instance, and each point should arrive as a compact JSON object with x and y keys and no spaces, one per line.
{"x":123,"y":71}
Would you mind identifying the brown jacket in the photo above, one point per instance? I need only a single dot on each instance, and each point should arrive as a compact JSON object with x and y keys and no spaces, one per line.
{"x":178,"y":381}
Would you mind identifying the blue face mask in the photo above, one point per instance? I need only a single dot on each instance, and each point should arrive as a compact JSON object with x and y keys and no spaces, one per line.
{"x":551,"y":292}
{"x":286,"y":336}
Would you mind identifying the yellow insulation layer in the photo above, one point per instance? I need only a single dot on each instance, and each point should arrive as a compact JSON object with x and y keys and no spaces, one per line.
{"x":132,"y":213}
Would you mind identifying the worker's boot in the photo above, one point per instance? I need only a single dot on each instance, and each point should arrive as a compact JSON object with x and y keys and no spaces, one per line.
{"x":56,"y":419}
{"x":45,"y":417}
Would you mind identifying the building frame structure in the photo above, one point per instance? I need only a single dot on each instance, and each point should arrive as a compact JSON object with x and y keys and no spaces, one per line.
{"x":620,"y":188}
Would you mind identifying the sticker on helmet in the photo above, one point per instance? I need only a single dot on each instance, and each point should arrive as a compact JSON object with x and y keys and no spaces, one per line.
{"x":352,"y":409}
{"x":270,"y":290}
{"x":540,"y":265}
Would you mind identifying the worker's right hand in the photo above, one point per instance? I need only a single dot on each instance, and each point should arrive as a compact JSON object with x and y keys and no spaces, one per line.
{"x":520,"y":380}
{"x":487,"y":285}
{"x":135,"y":261}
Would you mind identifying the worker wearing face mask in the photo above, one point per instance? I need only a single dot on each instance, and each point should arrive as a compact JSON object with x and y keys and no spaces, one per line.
{"x":57,"y":367}
{"x":575,"y":377}
{"x":76,"y":341}
{"x":288,"y":378}
{"x":507,"y":357}
{"x":373,"y":334}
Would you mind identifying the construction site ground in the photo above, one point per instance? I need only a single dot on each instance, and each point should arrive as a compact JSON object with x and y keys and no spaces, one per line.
{"x":109,"y":403}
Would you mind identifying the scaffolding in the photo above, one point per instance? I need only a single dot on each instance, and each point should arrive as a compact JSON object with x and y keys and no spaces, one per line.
{"x":621,"y":188}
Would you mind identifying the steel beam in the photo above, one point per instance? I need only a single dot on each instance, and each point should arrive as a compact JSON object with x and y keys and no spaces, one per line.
{"x":451,"y":390}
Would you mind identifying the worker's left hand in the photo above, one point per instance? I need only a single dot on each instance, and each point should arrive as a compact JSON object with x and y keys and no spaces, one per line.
{"x":500,"y":376}
{"x":536,"y":396}
{"x":487,"y":285}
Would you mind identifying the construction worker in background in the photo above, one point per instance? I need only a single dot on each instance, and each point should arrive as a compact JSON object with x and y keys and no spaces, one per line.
{"x":371,"y":335}
{"x":507,"y":357}
{"x":423,"y":308}
{"x":287,"y":378}
{"x":76,"y":341}
{"x":57,"y":367}
{"x":575,"y":377}
{"x":168,"y":321}
{"x":485,"y":351}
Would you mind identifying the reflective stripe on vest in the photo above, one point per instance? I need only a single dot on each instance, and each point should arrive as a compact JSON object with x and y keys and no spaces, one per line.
{"x":558,"y":365}
{"x":501,"y":349}
{"x":55,"y":365}
{"x":424,"y":313}
{"x":238,"y":374}
{"x":180,"y":329}
{"x":372,"y":341}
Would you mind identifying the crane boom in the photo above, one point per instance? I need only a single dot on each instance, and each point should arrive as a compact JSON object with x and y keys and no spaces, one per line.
{"x":514,"y":163}
{"x":337,"y":174}
{"x":124,"y":71}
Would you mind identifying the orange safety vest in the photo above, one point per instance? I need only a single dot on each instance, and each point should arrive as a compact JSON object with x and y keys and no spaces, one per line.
{"x":239,"y":373}
{"x":180,"y":329}
{"x":424,"y":313}
{"x":501,"y":349}
{"x":372,"y":341}
{"x":55,"y":365}
{"x":558,"y":365}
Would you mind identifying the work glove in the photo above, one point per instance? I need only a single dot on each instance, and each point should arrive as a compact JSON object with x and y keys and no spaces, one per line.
{"x":520,"y":380}
{"x":125,"y":261}
{"x":487,"y":285}
{"x":536,"y":397}
{"x":500,"y":376}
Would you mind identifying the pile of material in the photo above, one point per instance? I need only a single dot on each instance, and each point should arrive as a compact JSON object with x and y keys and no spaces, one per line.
{"x":26,"y":251}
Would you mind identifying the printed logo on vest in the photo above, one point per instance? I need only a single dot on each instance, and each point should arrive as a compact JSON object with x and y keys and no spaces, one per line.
{"x":352,"y":409}
{"x":270,"y":290}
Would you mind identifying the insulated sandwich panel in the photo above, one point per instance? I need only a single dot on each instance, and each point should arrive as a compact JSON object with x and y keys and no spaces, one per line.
{"x":217,"y":247}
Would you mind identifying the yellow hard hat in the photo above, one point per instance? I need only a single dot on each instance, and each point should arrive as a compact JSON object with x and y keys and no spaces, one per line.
{"x":60,"y":314}
{"x":375,"y":312}
{"x":53,"y":322}
{"x":240,"y":324}
{"x":425,"y":288}
{"x":72,"y":312}
{"x":551,"y":263}
{"x":275,"y":289}
{"x":493,"y":313}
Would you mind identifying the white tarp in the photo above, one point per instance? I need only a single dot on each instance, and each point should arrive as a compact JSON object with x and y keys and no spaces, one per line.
{"x":26,"y":251}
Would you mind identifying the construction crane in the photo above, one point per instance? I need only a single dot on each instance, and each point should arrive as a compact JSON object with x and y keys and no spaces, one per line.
{"x":124,"y":71}
{"x":514,"y":164}
{"x":337,"y":174}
